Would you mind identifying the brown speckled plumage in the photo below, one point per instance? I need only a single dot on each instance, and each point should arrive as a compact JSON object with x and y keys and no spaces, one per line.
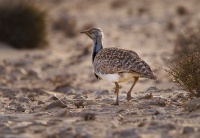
{"x":114,"y":60}
{"x":116,"y":65}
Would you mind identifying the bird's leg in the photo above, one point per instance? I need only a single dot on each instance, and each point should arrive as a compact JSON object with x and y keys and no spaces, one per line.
{"x":117,"y":91}
{"x":129,"y":92}
{"x":120,"y":86}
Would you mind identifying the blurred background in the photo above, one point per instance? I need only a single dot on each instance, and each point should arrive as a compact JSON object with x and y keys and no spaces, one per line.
{"x":41,"y":44}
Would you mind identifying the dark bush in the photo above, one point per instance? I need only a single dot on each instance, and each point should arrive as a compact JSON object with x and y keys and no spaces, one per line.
{"x":185,"y":66}
{"x":186,"y":72}
{"x":22,"y":25}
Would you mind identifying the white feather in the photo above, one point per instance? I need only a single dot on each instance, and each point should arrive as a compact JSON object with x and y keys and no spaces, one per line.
{"x":116,"y":77}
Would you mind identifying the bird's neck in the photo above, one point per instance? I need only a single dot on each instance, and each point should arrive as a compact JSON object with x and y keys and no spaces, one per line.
{"x":97,"y":47}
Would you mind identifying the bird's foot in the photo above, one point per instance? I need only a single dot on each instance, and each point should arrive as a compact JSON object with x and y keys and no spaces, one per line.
{"x":128,"y":98}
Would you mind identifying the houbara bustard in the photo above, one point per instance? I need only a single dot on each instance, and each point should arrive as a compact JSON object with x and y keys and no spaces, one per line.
{"x":116,"y":65}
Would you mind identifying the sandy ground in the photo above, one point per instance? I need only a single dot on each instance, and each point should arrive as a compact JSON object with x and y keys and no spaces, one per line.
{"x":53,"y":92}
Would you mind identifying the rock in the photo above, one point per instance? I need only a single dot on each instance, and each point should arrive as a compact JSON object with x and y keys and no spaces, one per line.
{"x":31,"y":96}
{"x":106,"y":100}
{"x":71,"y":92}
{"x":170,"y":126}
{"x":63,"y":88}
{"x":9,"y":93}
{"x":170,"y":108}
{"x":125,"y":133}
{"x":99,"y":97}
{"x":103,"y":92}
{"x":53,"y":97}
{"x":142,"y":106}
{"x":61,"y":113}
{"x":20,"y":108}
{"x":34,"y":74}
{"x":132,"y":113}
{"x":54,"y":104}
{"x":147,"y":96}
{"x":141,"y":124}
{"x":79,"y":97}
{"x":60,"y":132}
{"x":152,"y":89}
{"x":187,"y":130}
{"x":23,"y":99}
{"x":181,"y":95}
{"x":122,"y":98}
{"x":193,"y":105}
{"x":158,"y":101}
{"x":81,"y":132}
{"x":37,"y":108}
{"x":40,"y":102}
{"x":120,"y":110}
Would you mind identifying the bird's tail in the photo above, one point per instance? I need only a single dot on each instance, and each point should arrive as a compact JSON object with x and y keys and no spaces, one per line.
{"x":151,"y":76}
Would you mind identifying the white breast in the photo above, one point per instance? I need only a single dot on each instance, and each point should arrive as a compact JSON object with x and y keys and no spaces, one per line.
{"x":109,"y":77}
{"x":116,"y":77}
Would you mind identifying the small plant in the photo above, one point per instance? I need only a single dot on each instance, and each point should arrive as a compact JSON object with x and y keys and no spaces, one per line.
{"x":89,"y":116}
{"x":79,"y":104}
{"x":22,"y":25}
{"x":185,"y":66}
{"x":181,"y":10}
{"x":186,"y":72}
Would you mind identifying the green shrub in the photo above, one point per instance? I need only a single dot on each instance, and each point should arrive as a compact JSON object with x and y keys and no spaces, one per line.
{"x":186,"y":72}
{"x":22,"y":25}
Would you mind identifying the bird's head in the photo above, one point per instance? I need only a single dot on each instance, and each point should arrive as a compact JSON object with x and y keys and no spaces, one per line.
{"x":93,"y":33}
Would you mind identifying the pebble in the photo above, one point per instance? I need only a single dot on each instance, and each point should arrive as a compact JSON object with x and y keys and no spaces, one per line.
{"x":54,"y":104}
{"x":40,"y":102}
{"x":20,"y":108}
{"x":103,"y":92}
{"x":132,"y":113}
{"x":152,"y":89}
{"x":187,"y":130}
{"x":79,"y":97}
{"x":120,"y":110}
{"x":180,"y":95}
{"x":193,"y":104}
{"x":125,"y":133}
{"x":23,"y":99}
{"x":53,"y":97}
{"x":71,"y":92}
{"x":61,"y":113}
{"x":158,"y":101}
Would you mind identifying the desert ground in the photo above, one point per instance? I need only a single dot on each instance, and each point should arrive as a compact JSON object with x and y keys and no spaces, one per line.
{"x":53,"y":93}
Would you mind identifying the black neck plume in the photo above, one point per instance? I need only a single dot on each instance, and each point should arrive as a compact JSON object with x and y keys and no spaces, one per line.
{"x":97,"y":47}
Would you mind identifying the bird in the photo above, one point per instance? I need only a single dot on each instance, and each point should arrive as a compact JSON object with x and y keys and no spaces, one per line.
{"x":116,"y":65}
